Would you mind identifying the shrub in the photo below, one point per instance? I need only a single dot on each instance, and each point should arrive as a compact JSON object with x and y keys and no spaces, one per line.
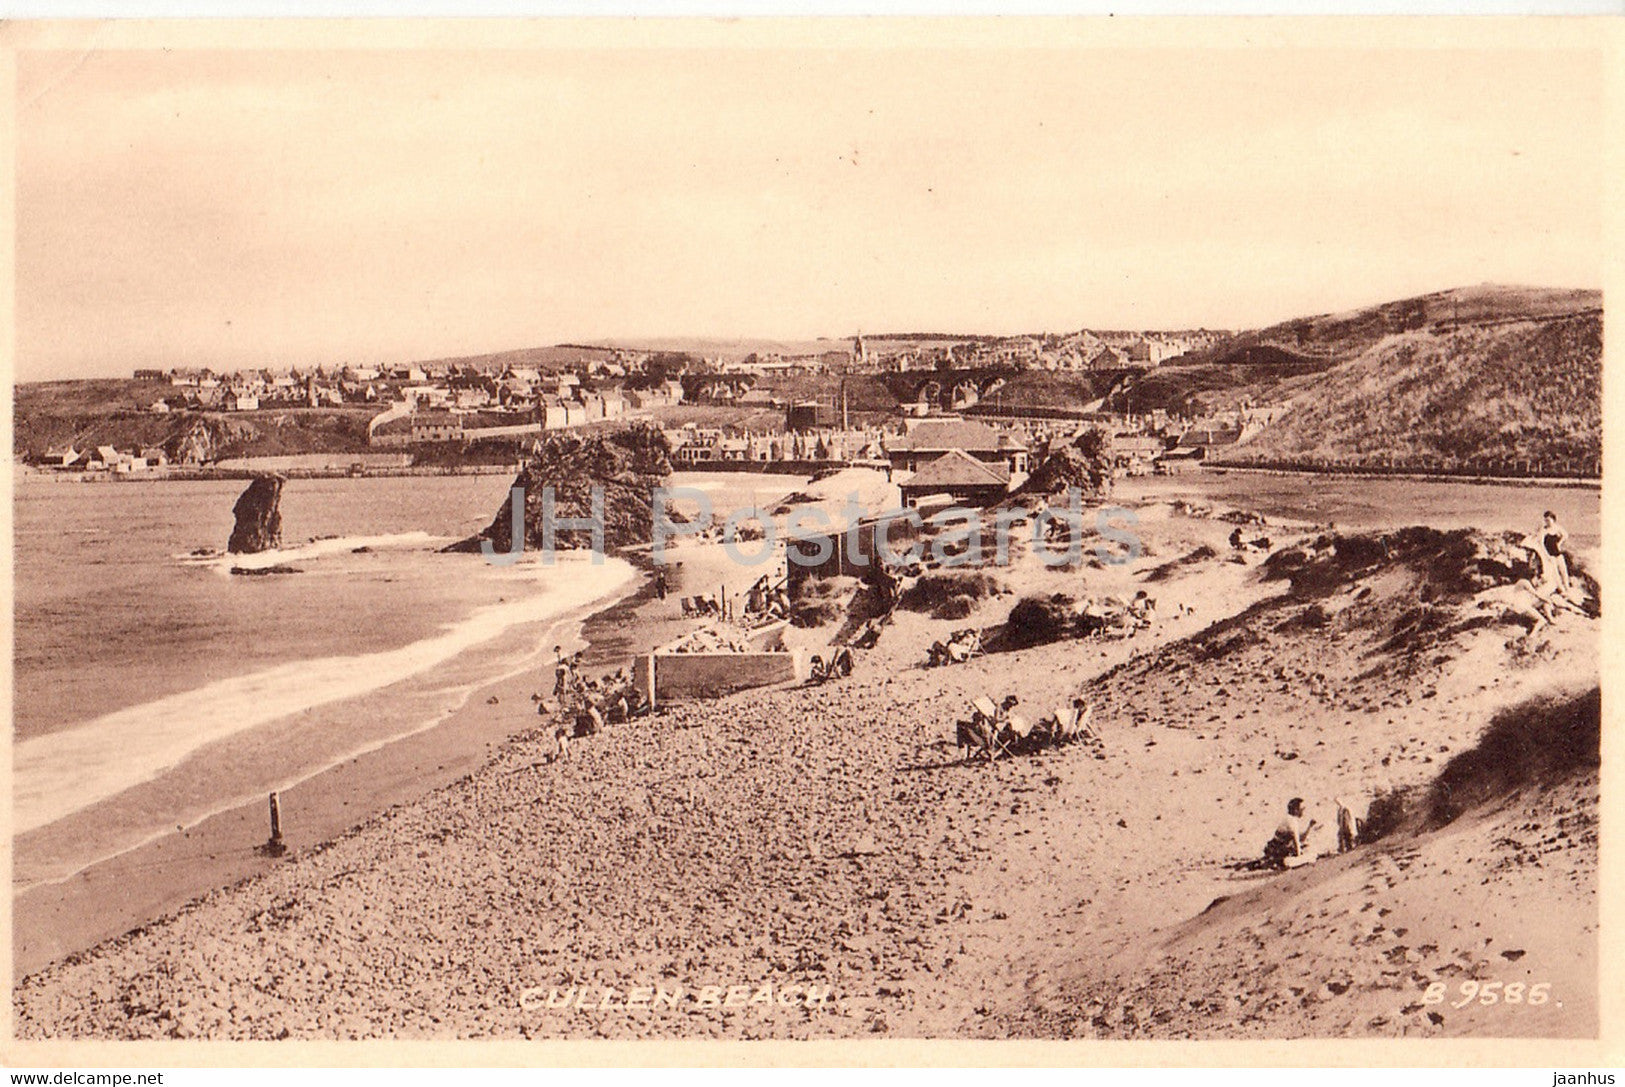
{"x":1389,"y":812}
{"x":1039,"y":620}
{"x":934,"y":592}
{"x":819,"y":601}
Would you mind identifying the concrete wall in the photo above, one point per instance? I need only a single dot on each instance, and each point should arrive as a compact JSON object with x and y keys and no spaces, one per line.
{"x":682,"y":676}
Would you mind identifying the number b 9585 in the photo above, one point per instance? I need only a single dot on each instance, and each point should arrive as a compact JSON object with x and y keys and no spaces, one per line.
{"x":1491,"y":992}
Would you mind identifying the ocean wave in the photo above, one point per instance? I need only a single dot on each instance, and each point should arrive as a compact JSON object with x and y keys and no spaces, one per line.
{"x":63,"y":772}
{"x":315,"y":549}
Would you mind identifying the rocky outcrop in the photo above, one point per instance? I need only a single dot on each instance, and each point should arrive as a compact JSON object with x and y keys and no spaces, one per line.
{"x":259,"y":517}
{"x":1085,"y":464}
{"x":200,"y":440}
{"x":628,"y":464}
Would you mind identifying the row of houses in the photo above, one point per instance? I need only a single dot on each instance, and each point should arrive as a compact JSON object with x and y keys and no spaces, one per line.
{"x":450,"y":388}
{"x":103,"y":458}
{"x":692,"y":445}
{"x":434,"y":418}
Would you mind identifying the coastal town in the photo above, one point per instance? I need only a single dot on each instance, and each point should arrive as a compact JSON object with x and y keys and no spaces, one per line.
{"x":446,"y":405}
{"x":1167,"y":402}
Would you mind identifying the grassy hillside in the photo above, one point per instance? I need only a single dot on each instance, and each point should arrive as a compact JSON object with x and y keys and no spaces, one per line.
{"x":53,"y":417}
{"x":1494,"y":393}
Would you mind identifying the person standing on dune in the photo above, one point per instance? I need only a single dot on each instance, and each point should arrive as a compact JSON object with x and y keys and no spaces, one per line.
{"x":1554,"y":540}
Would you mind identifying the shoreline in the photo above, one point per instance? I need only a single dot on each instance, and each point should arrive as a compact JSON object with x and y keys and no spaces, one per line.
{"x":116,"y":895}
{"x":788,"y":468}
{"x":1577,"y":482}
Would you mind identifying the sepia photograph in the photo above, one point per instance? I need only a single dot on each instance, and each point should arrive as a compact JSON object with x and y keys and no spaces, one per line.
{"x":789,"y":530}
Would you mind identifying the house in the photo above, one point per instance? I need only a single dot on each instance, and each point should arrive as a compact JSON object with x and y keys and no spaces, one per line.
{"x":159,"y":407}
{"x":1209,"y":439}
{"x":243,"y":402}
{"x":552,"y":415}
{"x":108,"y":457}
{"x":150,"y":375}
{"x":436,"y":426}
{"x":432,"y":395}
{"x":931,"y":438}
{"x":694,"y":452}
{"x":962,"y":477}
{"x":1177,"y":461}
{"x":61,"y":459}
{"x":1139,"y":353}
{"x":1107,"y":358}
{"x":474,"y":397}
{"x":154,"y":455}
{"x":1136,"y":450}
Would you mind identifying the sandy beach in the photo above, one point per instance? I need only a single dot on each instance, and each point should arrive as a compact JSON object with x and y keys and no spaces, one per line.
{"x":818,"y":862}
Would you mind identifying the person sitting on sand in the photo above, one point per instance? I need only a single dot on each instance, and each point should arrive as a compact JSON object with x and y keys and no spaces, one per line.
{"x":590,"y":721}
{"x":1016,"y":725}
{"x":840,"y":666}
{"x":1545,"y":585}
{"x":1290,"y":836}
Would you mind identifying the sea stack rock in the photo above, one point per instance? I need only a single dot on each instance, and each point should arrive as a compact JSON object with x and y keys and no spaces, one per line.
{"x":259,"y":520}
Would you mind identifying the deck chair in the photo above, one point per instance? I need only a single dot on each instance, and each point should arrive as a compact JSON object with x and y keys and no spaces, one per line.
{"x":1082,"y":727}
{"x":978,"y":735}
{"x":1063,"y":724}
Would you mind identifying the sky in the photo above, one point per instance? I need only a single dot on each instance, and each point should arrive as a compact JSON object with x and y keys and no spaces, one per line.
{"x":288,"y":208}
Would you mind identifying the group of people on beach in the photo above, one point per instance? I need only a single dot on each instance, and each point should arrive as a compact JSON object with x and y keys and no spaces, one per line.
{"x":1113,"y":615}
{"x":764,"y":600}
{"x":1549,"y":586}
{"x":1551,"y":582}
{"x":957,"y":648}
{"x":1002,"y":729}
{"x":583,"y":705}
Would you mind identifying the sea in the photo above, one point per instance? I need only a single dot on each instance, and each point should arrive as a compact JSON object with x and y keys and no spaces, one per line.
{"x":154,"y":688}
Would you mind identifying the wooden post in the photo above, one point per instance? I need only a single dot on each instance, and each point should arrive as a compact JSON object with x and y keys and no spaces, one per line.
{"x":274,"y":846}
